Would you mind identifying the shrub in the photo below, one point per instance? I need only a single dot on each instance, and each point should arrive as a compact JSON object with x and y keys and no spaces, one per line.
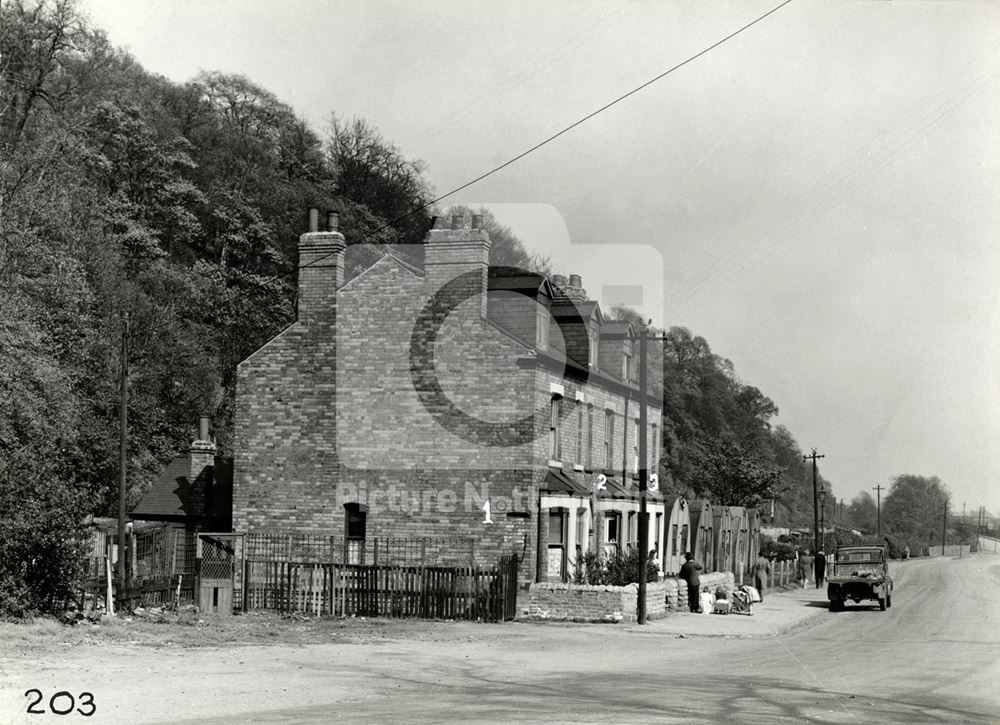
{"x":618,"y":569}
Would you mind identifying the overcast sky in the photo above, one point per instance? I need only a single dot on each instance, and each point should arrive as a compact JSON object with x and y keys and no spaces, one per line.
{"x":819,"y":195}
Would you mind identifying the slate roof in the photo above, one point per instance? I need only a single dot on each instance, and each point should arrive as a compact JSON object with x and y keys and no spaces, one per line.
{"x":173,"y":497}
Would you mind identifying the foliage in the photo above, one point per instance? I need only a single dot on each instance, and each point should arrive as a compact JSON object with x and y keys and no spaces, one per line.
{"x":775,"y":550}
{"x":618,"y":569}
{"x":915,"y":508}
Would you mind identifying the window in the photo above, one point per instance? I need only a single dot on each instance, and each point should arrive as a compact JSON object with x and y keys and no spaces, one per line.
{"x":654,"y":445}
{"x":627,"y":363}
{"x":555,"y":445}
{"x":594,"y":346}
{"x":541,"y":328}
{"x":590,"y":436}
{"x":673,"y":541}
{"x":612,"y":530}
{"x":579,"y":432}
{"x":684,"y":537}
{"x":609,"y":436}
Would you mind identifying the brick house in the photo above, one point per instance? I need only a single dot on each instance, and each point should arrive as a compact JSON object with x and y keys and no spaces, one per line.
{"x":452,"y":400}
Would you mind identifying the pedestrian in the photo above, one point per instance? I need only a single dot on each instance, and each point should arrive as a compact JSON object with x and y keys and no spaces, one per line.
{"x":761,"y":571}
{"x":820,"y":563}
{"x":689,"y":573}
{"x":802,"y":568}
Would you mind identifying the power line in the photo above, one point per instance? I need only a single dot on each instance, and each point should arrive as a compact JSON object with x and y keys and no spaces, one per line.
{"x":556,"y":135}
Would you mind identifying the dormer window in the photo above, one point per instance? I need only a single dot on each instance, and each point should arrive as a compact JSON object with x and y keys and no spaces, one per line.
{"x":541,"y":328}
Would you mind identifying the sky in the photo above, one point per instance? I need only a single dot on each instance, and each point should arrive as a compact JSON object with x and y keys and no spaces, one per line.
{"x":817,"y":196}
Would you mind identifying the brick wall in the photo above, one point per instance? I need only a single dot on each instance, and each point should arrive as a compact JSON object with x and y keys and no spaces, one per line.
{"x":583,"y":602}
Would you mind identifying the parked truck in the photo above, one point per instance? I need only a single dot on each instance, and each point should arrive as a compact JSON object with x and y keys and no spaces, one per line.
{"x":860,"y":573}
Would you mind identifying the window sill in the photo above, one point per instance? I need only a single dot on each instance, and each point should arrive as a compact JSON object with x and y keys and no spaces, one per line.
{"x":555,"y":464}
{"x":577,"y":467}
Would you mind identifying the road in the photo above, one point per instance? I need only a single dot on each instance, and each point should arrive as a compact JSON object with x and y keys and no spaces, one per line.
{"x":934,"y":656}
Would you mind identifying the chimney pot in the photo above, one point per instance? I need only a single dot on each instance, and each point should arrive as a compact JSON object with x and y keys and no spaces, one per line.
{"x":332,"y":221}
{"x":477,"y":221}
{"x":457,"y":221}
{"x":559,"y":280}
{"x":575,"y":281}
{"x":313,"y":219}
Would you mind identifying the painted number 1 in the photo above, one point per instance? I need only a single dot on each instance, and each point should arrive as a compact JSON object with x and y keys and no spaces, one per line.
{"x":486,"y":510}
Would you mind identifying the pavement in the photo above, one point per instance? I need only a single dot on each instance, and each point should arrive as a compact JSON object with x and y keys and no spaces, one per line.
{"x":782,"y":610}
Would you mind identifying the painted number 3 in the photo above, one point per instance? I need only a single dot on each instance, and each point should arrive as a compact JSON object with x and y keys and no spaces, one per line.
{"x":61,"y":703}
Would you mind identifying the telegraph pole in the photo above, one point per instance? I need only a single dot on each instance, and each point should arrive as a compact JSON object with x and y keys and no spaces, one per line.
{"x":122,"y":452}
{"x":643,"y":482}
{"x":944,"y":525}
{"x":814,"y":455}
{"x":878,"y":508}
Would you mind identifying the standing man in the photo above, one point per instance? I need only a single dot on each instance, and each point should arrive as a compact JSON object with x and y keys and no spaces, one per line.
{"x":820,"y":564}
{"x":689,"y":573}
{"x":761,"y":571}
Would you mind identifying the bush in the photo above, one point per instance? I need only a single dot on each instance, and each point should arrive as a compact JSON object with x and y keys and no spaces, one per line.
{"x":776,"y":550}
{"x":616,"y":570}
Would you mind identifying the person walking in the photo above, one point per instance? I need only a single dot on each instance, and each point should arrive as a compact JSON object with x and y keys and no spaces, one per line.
{"x":689,"y":573}
{"x":802,"y":567}
{"x":820,"y":564}
{"x":762,"y":568}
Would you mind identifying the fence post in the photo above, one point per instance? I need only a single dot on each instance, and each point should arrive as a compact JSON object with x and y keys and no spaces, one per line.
{"x":375,"y":555}
{"x":423,"y":552}
{"x":472,"y":551}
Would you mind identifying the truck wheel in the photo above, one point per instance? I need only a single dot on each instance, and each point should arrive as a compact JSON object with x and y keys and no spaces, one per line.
{"x":881,"y":603}
{"x":836,"y":605}
{"x":888,"y":600}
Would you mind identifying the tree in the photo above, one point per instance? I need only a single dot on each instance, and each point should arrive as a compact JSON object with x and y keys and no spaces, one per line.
{"x":862,"y":513}
{"x":374,"y":173}
{"x":915,"y":507}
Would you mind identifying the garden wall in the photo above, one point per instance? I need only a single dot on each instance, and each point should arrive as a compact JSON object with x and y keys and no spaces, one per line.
{"x":589,"y":603}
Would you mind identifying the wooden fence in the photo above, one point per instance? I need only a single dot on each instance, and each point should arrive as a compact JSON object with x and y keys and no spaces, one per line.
{"x":431,"y":592}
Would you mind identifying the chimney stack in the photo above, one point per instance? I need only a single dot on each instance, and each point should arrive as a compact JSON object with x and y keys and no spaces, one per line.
{"x":202,"y":453}
{"x":321,"y":268}
{"x":457,"y":252}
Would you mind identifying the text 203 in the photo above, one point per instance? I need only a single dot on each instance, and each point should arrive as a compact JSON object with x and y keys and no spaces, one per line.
{"x":61,"y":703}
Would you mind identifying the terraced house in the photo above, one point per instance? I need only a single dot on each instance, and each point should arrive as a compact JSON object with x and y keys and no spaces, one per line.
{"x":433,"y":397}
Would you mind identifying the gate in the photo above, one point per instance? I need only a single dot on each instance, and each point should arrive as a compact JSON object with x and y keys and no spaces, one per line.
{"x":216,"y":556}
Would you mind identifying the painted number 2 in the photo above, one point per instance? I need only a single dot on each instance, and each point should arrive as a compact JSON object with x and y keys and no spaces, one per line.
{"x":61,"y":703}
{"x":486,"y":510}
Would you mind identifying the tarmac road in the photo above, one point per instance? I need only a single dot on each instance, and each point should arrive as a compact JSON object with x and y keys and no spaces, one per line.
{"x":934,"y":656}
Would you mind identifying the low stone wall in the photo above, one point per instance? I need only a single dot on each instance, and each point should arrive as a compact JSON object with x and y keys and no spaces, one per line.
{"x":676,"y":589}
{"x":586,"y":603}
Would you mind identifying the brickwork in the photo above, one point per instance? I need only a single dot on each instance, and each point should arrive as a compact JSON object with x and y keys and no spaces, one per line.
{"x":377,"y":397}
{"x":586,"y":603}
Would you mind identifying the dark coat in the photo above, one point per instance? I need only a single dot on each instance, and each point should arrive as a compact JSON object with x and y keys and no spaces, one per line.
{"x":689,"y":572}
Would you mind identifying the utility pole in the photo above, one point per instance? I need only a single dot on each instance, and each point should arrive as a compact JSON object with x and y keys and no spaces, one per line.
{"x":814,"y":455}
{"x":878,"y":509}
{"x":944,"y":525}
{"x":122,"y":452}
{"x":643,"y":482}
